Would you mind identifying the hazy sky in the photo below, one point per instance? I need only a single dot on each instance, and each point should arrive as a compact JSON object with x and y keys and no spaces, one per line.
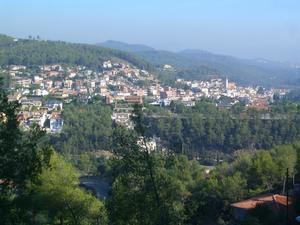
{"x":245,"y":28}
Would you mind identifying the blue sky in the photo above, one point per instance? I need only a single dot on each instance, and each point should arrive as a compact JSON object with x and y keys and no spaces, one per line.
{"x":244,"y":28}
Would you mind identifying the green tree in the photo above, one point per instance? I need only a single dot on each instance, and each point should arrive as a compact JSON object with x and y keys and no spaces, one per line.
{"x":85,"y":164}
{"x":149,"y":187}
{"x":22,"y":158}
{"x":57,"y":195}
{"x":86,"y":128}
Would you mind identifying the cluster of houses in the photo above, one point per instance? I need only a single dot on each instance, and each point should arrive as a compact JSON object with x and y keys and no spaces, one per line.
{"x":228,"y":93}
{"x":44,"y":112}
{"x":116,"y":82}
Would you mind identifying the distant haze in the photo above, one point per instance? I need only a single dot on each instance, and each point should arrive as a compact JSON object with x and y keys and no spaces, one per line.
{"x":244,"y":28}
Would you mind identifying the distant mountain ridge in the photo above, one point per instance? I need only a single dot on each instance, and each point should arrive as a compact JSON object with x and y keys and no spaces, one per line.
{"x":125,"y":46}
{"x":245,"y":71}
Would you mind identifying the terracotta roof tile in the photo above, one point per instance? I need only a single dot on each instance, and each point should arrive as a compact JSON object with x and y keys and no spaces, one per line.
{"x":261,"y":199}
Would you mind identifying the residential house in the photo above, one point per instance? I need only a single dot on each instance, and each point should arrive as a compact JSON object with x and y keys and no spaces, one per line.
{"x":32,"y":101}
{"x":56,"y":122}
{"x":134,"y":99}
{"x":277,"y":203}
{"x":53,"y":104}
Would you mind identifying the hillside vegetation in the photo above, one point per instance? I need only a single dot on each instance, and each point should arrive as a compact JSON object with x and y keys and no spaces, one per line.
{"x":37,"y":52}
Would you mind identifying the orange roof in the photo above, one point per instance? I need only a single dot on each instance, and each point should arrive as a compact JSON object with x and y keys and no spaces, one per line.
{"x":280,"y":199}
{"x":56,"y":115}
{"x":261,"y":199}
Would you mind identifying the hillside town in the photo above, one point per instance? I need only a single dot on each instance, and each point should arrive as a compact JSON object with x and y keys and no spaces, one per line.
{"x":43,"y":91}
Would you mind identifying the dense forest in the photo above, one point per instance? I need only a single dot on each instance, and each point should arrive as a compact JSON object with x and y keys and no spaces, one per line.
{"x":170,"y":189}
{"x":206,"y":127}
{"x":201,"y":131}
{"x":86,"y":128}
{"x":31,"y":52}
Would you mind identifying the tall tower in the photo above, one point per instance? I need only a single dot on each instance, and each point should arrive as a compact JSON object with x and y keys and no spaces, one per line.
{"x":226,"y":83}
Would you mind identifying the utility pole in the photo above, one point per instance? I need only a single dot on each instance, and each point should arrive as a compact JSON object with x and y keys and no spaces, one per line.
{"x":287,"y":196}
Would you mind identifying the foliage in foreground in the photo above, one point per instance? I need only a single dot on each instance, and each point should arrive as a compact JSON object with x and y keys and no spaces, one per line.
{"x":37,"y":186}
{"x":163,"y":188}
{"x":56,"y":196}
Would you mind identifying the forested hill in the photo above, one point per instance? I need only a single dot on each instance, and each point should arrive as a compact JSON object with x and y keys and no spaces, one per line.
{"x":40,"y":52}
{"x":189,"y":64}
{"x":193,"y":64}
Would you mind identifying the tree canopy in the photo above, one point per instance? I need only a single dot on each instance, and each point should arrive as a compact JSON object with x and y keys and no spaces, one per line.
{"x":37,"y":52}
